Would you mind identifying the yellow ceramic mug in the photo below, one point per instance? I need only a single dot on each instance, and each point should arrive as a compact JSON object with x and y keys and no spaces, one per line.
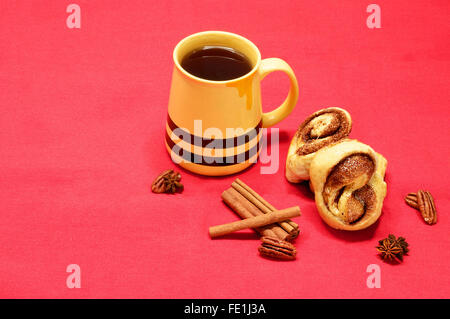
{"x":214,"y":127}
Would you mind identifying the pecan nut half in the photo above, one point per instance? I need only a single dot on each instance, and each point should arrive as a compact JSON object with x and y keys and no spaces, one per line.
{"x":276,"y":248}
{"x":167,"y":182}
{"x":411,"y":200}
{"x":423,"y":202}
{"x":426,"y":206}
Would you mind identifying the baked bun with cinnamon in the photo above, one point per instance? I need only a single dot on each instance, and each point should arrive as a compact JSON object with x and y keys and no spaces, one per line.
{"x":321,"y":129}
{"x":348,"y":183}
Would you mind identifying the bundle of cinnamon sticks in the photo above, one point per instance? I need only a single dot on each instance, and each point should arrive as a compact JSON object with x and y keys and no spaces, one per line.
{"x":247,"y":203}
{"x":274,"y":226}
{"x":257,"y":213}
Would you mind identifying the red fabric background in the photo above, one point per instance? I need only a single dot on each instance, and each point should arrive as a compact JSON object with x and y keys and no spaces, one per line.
{"x":82,"y":117}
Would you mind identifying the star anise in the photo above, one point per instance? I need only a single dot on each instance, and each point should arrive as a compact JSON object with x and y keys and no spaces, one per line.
{"x":393,"y":249}
{"x":167,"y":182}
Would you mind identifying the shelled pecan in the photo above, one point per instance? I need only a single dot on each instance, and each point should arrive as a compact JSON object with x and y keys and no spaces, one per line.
{"x":426,"y":206}
{"x":411,"y":200}
{"x":423,"y":202}
{"x":276,"y":248}
{"x":167,"y":182}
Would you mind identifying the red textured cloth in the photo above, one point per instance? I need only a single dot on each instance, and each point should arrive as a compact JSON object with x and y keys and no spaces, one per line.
{"x":82,"y":120}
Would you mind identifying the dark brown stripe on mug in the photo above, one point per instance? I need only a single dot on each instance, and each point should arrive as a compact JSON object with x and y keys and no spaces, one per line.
{"x":207,"y":142}
{"x":211,"y":161}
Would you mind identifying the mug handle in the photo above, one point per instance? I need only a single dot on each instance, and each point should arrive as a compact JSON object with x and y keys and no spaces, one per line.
{"x":274,"y":64}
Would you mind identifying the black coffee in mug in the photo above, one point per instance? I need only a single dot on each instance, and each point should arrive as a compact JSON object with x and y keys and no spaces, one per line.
{"x":216,"y":63}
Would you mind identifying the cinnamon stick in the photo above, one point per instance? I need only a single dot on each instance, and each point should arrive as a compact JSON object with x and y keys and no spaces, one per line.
{"x":256,"y":199}
{"x":253,"y":222}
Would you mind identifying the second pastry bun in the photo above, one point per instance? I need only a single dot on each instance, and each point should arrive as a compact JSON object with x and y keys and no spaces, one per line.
{"x":348,"y":183}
